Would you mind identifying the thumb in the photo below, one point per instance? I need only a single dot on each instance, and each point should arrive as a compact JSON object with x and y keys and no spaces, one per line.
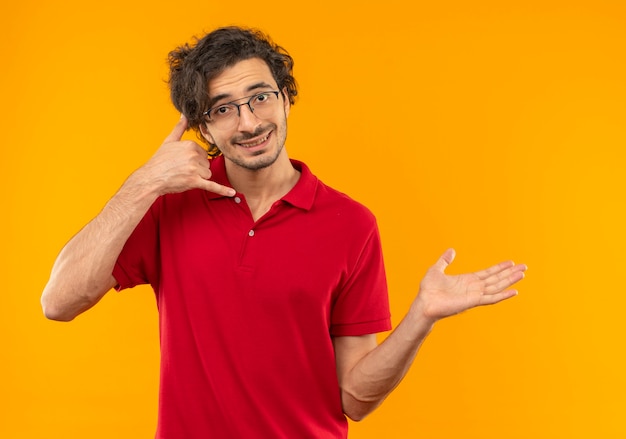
{"x":178,"y":131}
{"x":445,"y":259}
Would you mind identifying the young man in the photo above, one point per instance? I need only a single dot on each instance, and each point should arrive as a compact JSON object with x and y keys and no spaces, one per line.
{"x":270,"y":285}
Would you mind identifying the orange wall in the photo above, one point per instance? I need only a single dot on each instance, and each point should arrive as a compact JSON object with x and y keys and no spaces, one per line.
{"x":498,"y":128}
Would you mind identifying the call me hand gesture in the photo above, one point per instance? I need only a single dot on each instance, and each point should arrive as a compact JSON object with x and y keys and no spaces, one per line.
{"x":82,"y":273}
{"x":180,"y":165}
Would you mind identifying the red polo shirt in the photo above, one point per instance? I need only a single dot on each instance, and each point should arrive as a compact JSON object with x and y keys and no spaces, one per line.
{"x":248,"y":309}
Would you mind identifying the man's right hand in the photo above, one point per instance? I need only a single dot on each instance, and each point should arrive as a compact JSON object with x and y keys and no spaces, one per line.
{"x":178,"y":166}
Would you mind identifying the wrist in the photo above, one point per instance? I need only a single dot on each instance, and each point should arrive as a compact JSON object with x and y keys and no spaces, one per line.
{"x":141,"y":185}
{"x":419,"y":313}
{"x":134,"y":197}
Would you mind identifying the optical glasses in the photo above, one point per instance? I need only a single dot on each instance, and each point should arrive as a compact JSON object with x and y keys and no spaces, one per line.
{"x":226,"y":115}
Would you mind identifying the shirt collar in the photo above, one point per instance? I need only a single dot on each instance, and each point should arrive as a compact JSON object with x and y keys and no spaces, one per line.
{"x":301,"y":195}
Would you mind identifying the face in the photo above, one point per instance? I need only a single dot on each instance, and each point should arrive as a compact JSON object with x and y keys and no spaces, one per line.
{"x":252,"y":143}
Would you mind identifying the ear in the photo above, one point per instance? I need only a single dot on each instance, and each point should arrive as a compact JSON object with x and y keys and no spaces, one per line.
{"x":206,"y":134}
{"x":286,"y":102}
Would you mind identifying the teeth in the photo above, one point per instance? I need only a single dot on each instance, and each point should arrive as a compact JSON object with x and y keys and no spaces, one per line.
{"x":250,"y":145}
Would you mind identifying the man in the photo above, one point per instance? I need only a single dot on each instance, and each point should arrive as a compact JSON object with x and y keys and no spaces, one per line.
{"x":270,"y":285}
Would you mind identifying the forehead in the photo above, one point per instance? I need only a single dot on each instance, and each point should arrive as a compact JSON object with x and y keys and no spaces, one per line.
{"x":244,"y":77}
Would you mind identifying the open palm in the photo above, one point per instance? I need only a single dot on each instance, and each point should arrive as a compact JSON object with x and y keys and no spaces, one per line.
{"x":443,"y":295}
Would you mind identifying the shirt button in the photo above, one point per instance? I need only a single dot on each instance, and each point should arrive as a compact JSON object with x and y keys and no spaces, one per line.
{"x":237,"y":200}
{"x":251,"y":233}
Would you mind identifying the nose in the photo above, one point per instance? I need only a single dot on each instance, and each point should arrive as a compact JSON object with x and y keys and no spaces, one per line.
{"x":247,"y":119}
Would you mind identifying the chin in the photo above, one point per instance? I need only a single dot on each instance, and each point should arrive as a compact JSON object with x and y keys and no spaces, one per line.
{"x":259,"y":161}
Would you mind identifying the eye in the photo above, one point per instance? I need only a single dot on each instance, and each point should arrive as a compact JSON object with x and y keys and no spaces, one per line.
{"x":261,"y":98}
{"x":221,"y":111}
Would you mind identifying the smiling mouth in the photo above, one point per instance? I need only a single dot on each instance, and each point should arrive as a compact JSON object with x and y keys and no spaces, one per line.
{"x":255,"y":142}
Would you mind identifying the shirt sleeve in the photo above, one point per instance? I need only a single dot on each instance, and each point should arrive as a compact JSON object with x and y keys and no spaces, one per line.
{"x":362,"y":306}
{"x":137,"y":264}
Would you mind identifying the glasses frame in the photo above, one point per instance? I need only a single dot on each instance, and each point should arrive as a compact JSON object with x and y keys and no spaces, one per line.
{"x":248,"y":103}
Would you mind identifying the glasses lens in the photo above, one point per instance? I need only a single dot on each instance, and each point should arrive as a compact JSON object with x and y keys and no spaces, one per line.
{"x":223,"y":113}
{"x":262,"y":105}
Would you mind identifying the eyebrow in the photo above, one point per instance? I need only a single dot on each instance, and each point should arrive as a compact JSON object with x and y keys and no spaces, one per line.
{"x":250,"y":88}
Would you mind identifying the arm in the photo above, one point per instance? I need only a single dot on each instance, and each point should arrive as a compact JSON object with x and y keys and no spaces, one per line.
{"x":368,"y":372}
{"x":82,"y":273}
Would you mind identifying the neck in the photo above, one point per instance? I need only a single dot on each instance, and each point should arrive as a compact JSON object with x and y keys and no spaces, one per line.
{"x":263,"y":187}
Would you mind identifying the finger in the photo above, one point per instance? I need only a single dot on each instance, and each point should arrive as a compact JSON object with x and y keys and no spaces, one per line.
{"x":504,"y":283}
{"x":178,"y":131}
{"x":498,"y":297}
{"x":202,"y":154}
{"x":445,"y":259}
{"x":204,"y":171}
{"x":217,"y":188}
{"x":504,"y":274}
{"x":494,"y":270}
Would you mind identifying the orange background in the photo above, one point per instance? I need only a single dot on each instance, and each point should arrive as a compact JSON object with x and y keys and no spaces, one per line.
{"x":498,"y":128}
